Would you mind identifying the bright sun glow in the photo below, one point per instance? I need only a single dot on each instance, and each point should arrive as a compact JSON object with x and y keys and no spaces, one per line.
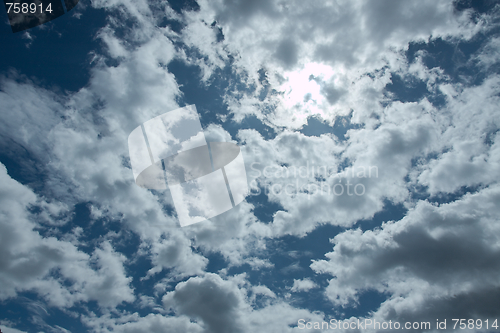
{"x":302,"y":89}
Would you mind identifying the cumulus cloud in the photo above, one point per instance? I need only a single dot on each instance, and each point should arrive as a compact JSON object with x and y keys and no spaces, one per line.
{"x":433,"y":258}
{"x":471,"y":141}
{"x":30,"y":259}
{"x":303,"y":285}
{"x":156,"y":323}
{"x":222,"y":306}
{"x":176,"y":253}
{"x":207,"y":299}
{"x":287,"y":62}
{"x":348,"y":37}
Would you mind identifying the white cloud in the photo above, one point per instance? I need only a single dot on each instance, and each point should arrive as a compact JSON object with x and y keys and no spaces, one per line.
{"x":425,"y":262}
{"x":176,"y":253}
{"x":347,"y":38}
{"x":10,"y":330}
{"x":470,"y":138}
{"x":79,"y":142}
{"x":262,"y":290}
{"x":130,"y":323}
{"x":489,"y":55}
{"x":29,"y":259}
{"x":303,"y":285}
{"x":222,"y":306}
{"x":211,"y":300}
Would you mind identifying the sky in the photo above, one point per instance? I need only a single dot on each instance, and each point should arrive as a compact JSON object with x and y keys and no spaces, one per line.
{"x":370,"y":137}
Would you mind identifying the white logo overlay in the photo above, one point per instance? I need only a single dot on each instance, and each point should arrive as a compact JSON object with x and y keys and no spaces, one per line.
{"x":205,"y":178}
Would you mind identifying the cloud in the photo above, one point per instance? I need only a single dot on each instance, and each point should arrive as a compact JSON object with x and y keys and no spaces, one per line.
{"x":287,"y":62}
{"x":208,"y":299}
{"x":176,"y":253}
{"x":426,"y":262}
{"x":210,"y":304}
{"x":348,"y":37}
{"x":470,"y":141}
{"x":303,"y":285}
{"x":488,"y":57}
{"x":10,"y":330}
{"x":155,"y":323}
{"x":30,"y":260}
{"x":222,"y":306}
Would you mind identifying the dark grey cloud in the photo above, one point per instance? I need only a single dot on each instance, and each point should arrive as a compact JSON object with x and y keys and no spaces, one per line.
{"x":210,"y":299}
{"x":332,"y":94}
{"x":287,"y":53}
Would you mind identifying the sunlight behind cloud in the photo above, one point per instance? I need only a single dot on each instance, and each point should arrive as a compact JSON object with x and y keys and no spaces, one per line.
{"x":303,"y":89}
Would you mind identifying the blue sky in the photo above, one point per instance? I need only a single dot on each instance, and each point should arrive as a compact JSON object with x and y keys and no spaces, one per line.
{"x":407,"y":88}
